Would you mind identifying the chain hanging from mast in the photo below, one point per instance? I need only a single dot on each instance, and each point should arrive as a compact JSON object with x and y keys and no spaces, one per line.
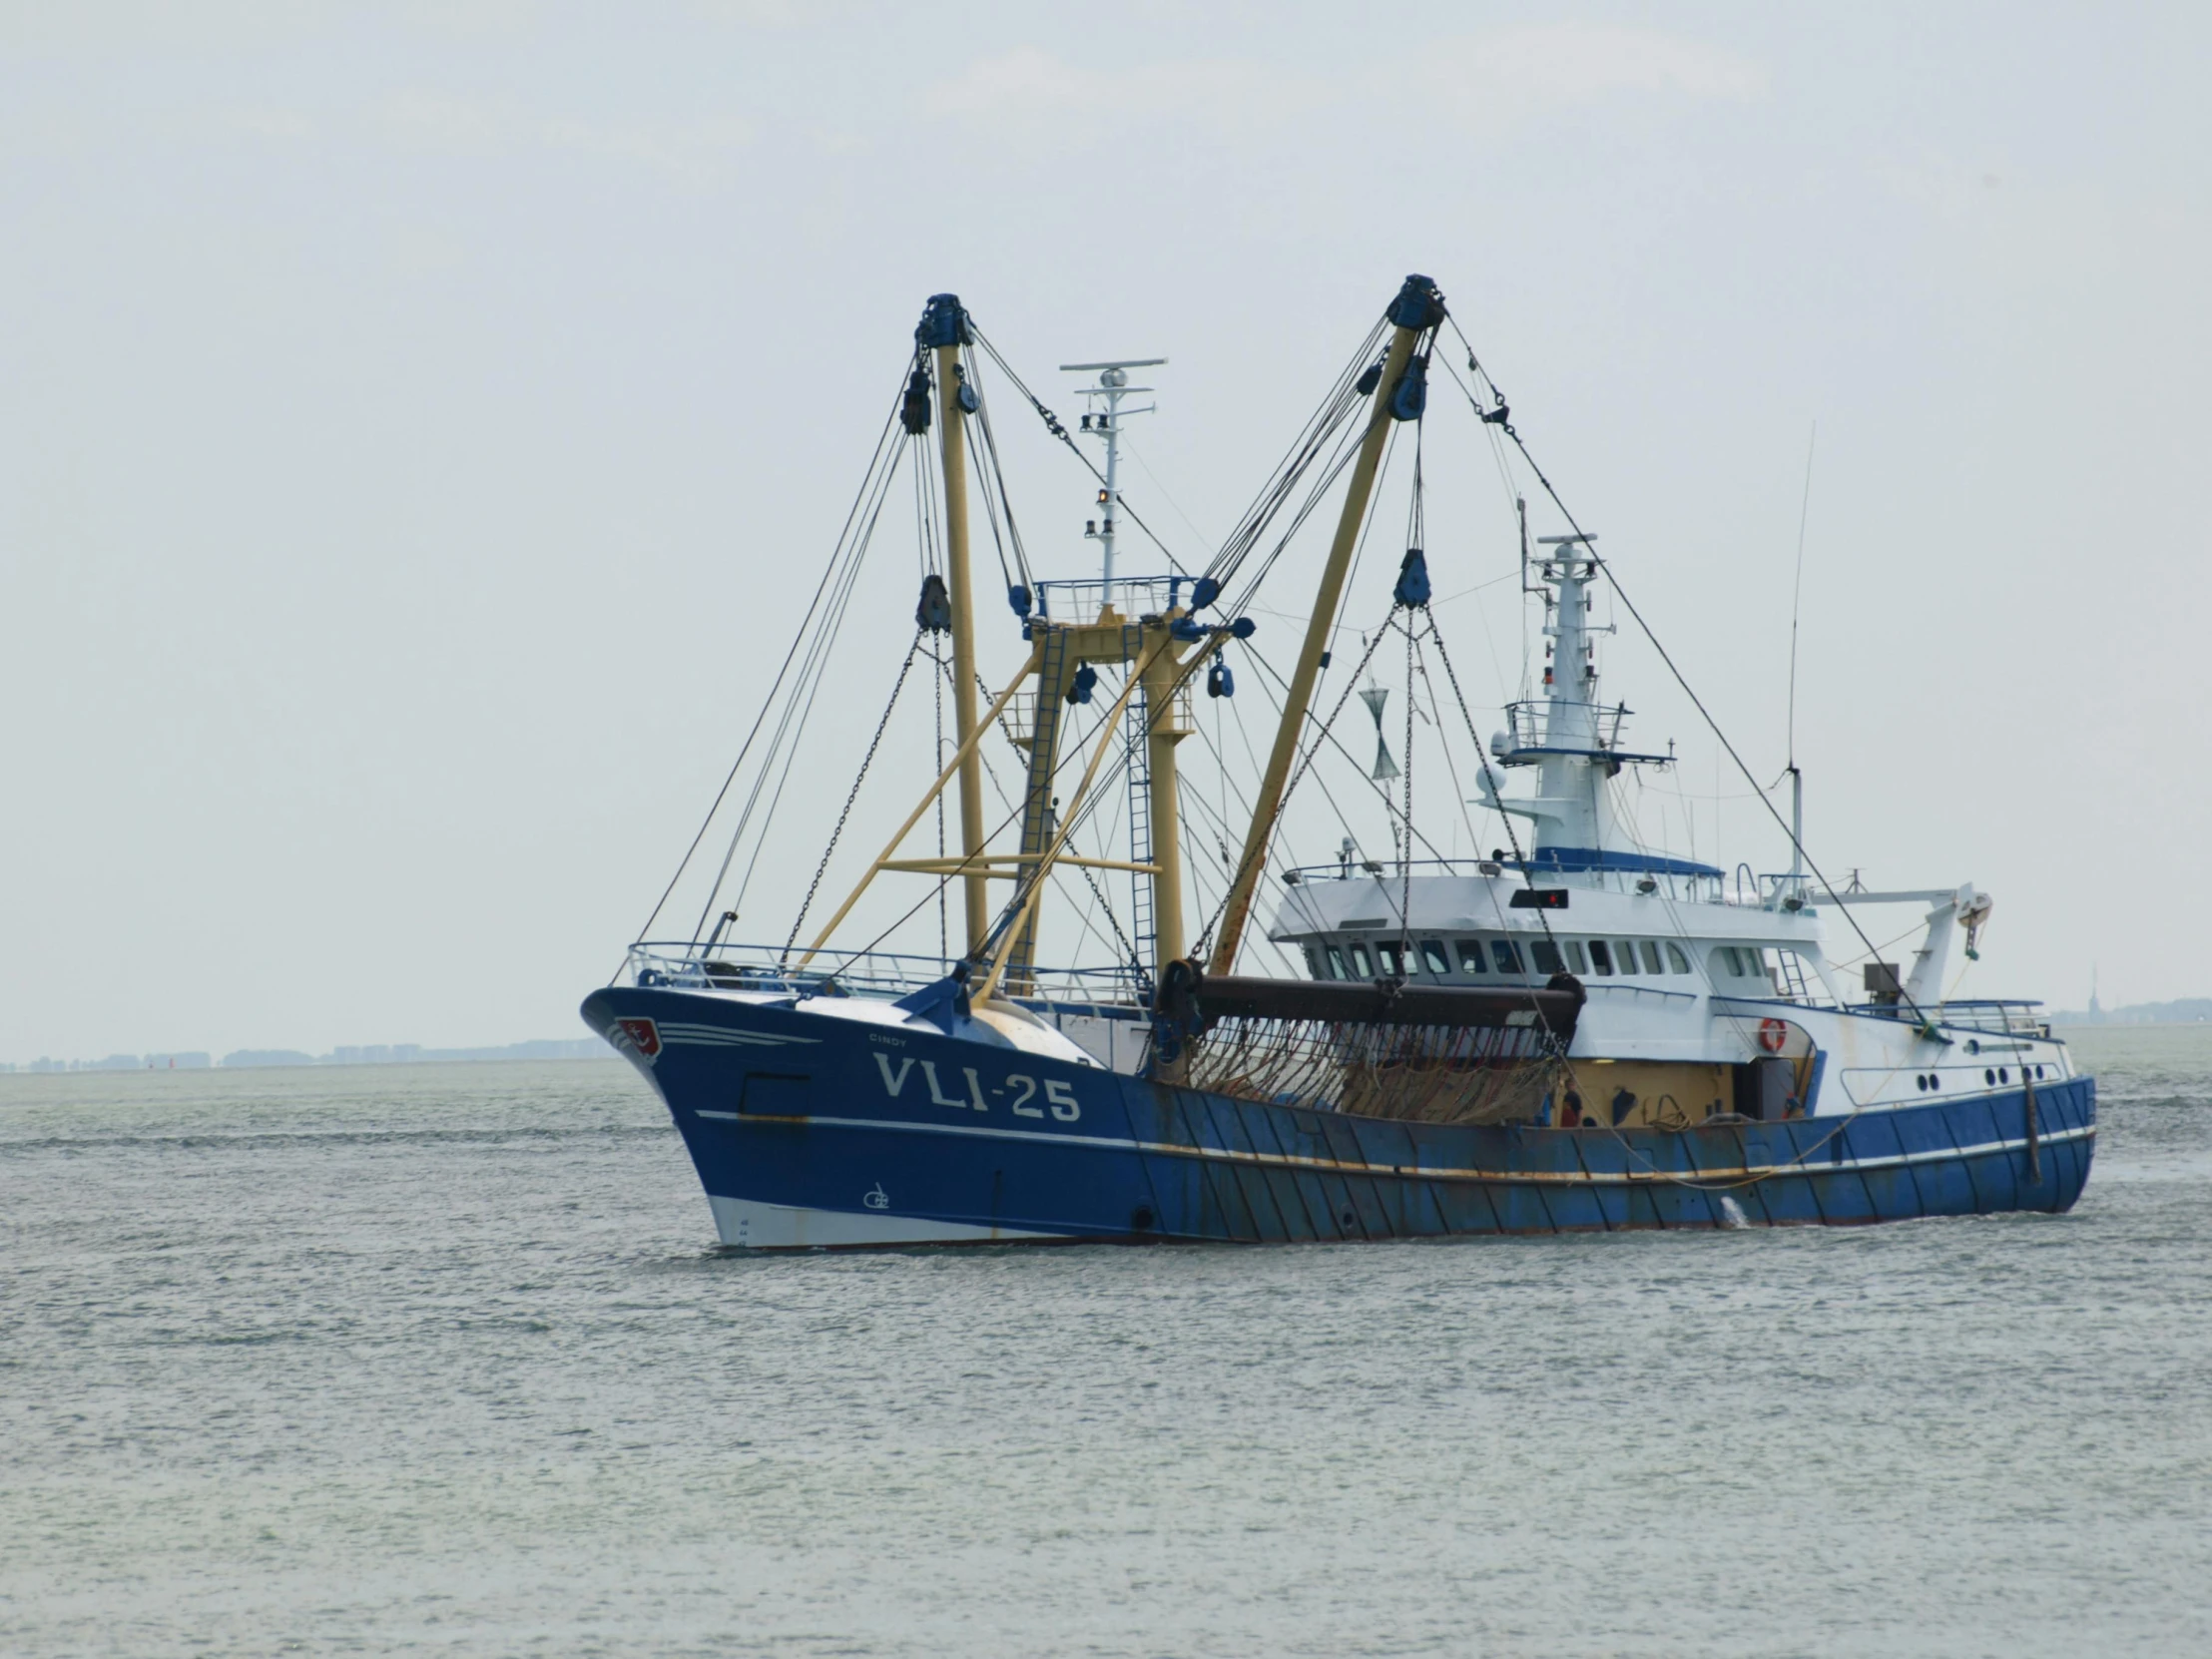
{"x":1397,"y":387}
{"x":1497,"y":417}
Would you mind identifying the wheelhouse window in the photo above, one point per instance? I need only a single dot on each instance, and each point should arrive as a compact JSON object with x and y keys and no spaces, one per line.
{"x":1546,"y":956}
{"x":1576,"y":961}
{"x":1336,"y":963}
{"x":1624,"y":955}
{"x":1472,"y":959}
{"x":1601,"y":958}
{"x":1736,"y":962}
{"x":1507,"y":958}
{"x":1386,"y":953}
{"x":1361,"y":968}
{"x":1651,"y":959}
{"x":1432,"y":958}
{"x":1676,"y":961}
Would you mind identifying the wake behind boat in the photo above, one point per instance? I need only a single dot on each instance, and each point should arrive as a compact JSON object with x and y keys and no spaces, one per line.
{"x":1580,"y":1031}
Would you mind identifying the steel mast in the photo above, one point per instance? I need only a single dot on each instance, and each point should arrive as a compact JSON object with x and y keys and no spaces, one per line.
{"x":943,"y":330}
{"x":1417,"y":309}
{"x":1113,"y":385}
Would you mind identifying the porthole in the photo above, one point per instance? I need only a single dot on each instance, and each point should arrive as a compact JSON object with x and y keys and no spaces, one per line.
{"x":1921,"y":1081}
{"x":1934,"y":1079}
{"x":2003,"y":1075}
{"x":2038,"y":1074}
{"x":1989,"y":1077}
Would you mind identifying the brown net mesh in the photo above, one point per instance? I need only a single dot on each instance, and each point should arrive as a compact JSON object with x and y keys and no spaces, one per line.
{"x":1385,"y":1049}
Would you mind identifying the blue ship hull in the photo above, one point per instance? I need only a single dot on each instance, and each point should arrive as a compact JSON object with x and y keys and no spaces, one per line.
{"x":916,"y":1137}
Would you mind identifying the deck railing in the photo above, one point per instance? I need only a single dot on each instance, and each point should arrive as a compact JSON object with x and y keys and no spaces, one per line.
{"x":1020,"y":718}
{"x":1693,"y":889}
{"x":1079,"y":599}
{"x":1532,"y":725}
{"x":884,"y":974}
{"x":1998,"y":1017}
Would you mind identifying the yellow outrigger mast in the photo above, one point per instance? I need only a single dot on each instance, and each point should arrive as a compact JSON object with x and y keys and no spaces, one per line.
{"x":1165,"y":651}
{"x":1162,"y":652}
{"x":1417,"y":309}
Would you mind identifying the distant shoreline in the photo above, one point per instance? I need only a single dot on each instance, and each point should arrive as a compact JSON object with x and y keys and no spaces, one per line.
{"x":2167,"y":1016}
{"x":2187,"y":1010}
{"x":374,"y":1054}
{"x":2129,"y":1024}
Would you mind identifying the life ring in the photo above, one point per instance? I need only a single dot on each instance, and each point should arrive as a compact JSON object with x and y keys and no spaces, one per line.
{"x":1772,"y":1035}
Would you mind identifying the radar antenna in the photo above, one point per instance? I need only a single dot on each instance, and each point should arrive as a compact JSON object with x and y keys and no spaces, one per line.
{"x":1113,"y":385}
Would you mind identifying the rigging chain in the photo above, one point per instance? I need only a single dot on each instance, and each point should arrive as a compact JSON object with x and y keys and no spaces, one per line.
{"x":1003,"y":504}
{"x":1105,"y":905}
{"x":1497,"y":417}
{"x":1927,"y":1024}
{"x":1406,"y":858}
{"x":1352,"y":681}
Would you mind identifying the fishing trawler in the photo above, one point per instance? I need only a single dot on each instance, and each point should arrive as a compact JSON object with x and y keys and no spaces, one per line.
{"x":1578,"y":1032}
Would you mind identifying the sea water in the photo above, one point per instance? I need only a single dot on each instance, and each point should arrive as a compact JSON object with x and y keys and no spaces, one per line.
{"x":445,"y":1359}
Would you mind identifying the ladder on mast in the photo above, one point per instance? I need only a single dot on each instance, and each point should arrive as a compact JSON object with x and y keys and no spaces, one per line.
{"x":1144,"y":931}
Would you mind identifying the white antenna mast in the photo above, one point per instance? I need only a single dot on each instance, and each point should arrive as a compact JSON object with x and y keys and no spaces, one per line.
{"x":1113,"y":385}
{"x":1797,"y":588}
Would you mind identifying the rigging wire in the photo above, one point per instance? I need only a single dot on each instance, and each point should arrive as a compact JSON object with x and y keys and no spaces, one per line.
{"x":1052,"y":425}
{"x":1458,"y":790}
{"x":1129,"y":952}
{"x":1130,"y":449}
{"x":812,"y":671}
{"x":993,"y":476}
{"x":1322,"y":428}
{"x":1927,"y":1025}
{"x":1222,"y":830}
{"x":1110,"y":774}
{"x":1505,"y":819}
{"x":1326,"y":733}
{"x":1797,"y":586}
{"x":1289,"y":787}
{"x":875,"y":460}
{"x":837,"y":831}
{"x":1347,"y":451}
{"x":1013,"y":813}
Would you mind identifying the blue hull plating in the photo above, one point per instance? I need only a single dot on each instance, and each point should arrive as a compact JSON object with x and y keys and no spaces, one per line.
{"x":786,"y":1108}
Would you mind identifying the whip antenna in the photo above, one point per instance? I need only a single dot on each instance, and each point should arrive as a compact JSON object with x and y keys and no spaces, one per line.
{"x":1797,"y":588}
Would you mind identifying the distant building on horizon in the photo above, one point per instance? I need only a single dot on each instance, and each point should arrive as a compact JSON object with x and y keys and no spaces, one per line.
{"x":2188,"y":1010}
{"x":362,"y":1054}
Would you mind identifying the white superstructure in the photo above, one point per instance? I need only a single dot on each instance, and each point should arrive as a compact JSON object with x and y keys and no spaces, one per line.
{"x":1681,"y":965}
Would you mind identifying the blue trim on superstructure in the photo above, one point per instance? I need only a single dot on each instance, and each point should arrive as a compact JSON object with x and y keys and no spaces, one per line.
{"x":1568,"y":859}
{"x":783,"y":1107}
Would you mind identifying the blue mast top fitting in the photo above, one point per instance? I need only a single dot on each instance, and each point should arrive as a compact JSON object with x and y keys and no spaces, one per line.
{"x":1418,"y":305}
{"x":943,"y":322}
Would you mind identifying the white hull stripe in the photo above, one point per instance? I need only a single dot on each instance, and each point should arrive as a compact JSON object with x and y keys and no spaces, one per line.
{"x":1812,"y":1164}
{"x":703,"y":1035}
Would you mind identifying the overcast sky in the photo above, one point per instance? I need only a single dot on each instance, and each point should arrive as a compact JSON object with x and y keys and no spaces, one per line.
{"x":420,"y":428}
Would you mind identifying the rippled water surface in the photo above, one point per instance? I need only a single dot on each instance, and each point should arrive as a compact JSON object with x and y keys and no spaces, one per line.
{"x":385,"y":1359}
